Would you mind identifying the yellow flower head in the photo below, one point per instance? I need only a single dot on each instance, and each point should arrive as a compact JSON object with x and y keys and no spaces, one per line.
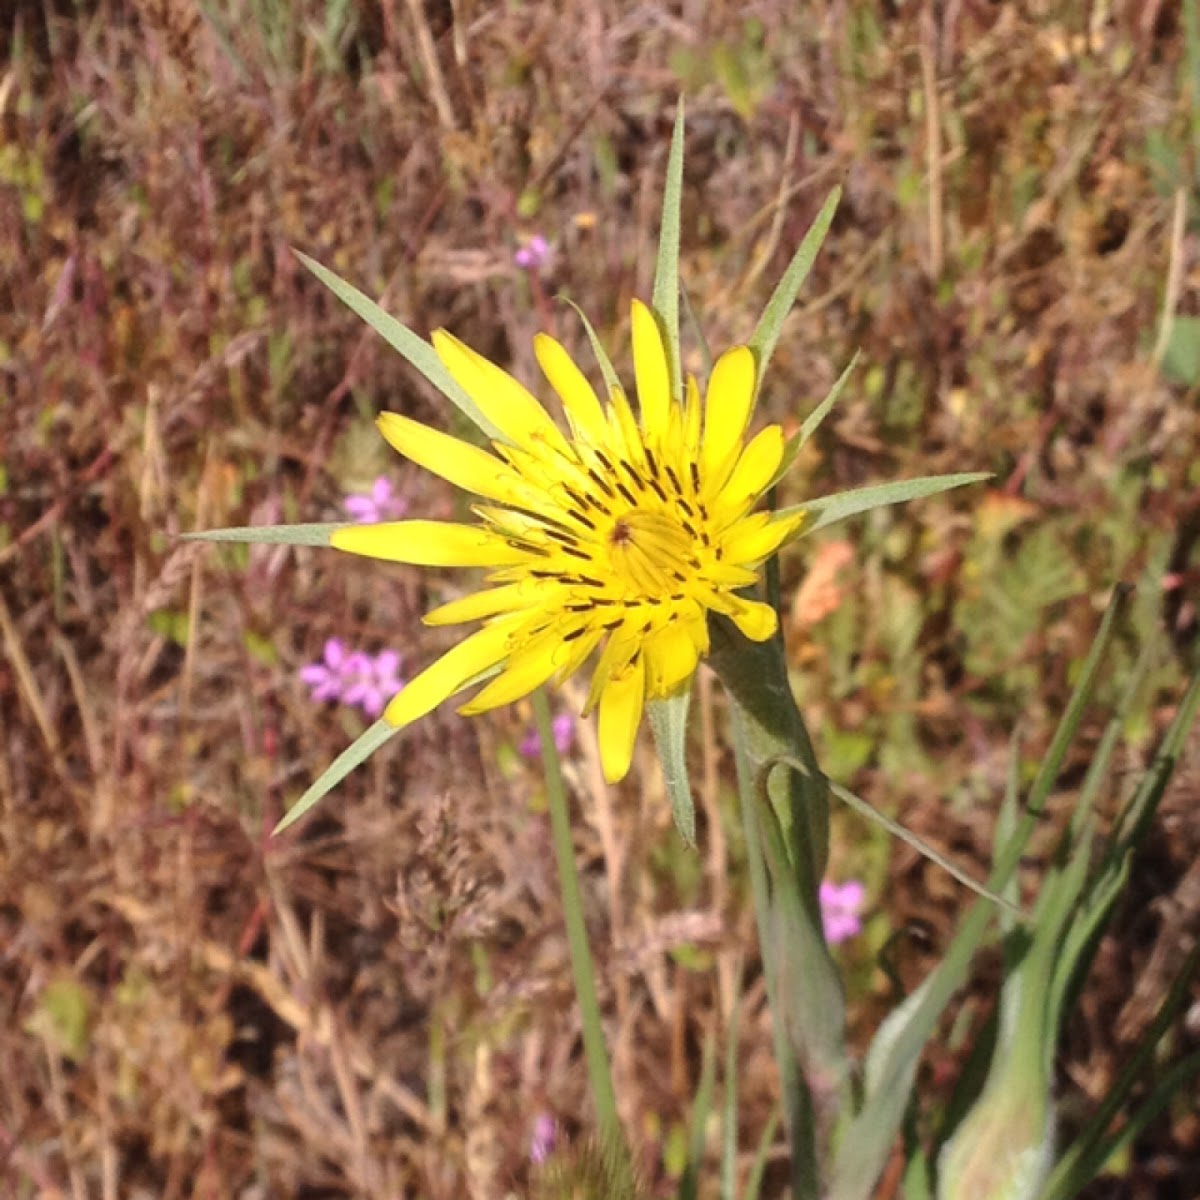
{"x":620,"y":536}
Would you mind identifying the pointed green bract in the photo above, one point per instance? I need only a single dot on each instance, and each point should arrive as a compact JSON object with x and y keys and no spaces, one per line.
{"x":415,"y":350}
{"x":270,"y":535}
{"x":827,"y":510}
{"x":813,"y":421}
{"x":668,"y":720}
{"x":353,"y":756}
{"x":664,"y":299}
{"x":607,"y":371}
{"x":766,"y":334}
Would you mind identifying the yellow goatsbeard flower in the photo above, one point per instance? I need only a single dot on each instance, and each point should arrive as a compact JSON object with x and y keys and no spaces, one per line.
{"x":621,"y":533}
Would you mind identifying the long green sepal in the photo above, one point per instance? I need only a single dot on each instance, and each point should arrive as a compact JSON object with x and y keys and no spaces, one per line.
{"x":664,"y":299}
{"x":766,"y":333}
{"x":827,"y":510}
{"x":813,"y":421}
{"x":668,"y":720}
{"x":270,"y":535}
{"x":353,"y":756}
{"x":415,"y":350}
{"x":607,"y":370}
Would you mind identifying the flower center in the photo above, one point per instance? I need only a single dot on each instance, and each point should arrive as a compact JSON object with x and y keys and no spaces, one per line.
{"x":650,"y":553}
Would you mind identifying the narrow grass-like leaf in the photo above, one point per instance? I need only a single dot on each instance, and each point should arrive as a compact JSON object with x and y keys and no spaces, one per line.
{"x":270,"y":535}
{"x":758,"y":1167}
{"x":609,"y":374}
{"x":923,"y":848}
{"x":892,"y":1060}
{"x":1080,"y":1163}
{"x":766,"y":333}
{"x":415,"y":350}
{"x":689,"y":310}
{"x":354,"y":755}
{"x":827,"y":510}
{"x":664,"y":299}
{"x":796,"y":442}
{"x":668,"y":720}
{"x":689,"y":1184}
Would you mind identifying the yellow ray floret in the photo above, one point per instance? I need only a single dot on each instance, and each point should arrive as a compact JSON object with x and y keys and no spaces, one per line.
{"x":617,"y":538}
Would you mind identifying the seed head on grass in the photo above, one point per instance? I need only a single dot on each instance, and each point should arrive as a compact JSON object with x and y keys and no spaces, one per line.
{"x":617,"y":537}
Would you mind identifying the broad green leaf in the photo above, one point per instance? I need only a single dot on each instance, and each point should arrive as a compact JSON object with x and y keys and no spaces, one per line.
{"x":611,"y":379}
{"x":665,"y":297}
{"x":415,"y":350}
{"x":668,"y":720}
{"x":827,"y":510}
{"x":766,"y":333}
{"x":354,"y":755}
{"x":270,"y":535}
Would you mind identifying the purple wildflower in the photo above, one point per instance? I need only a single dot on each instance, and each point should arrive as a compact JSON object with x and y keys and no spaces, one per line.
{"x":564,"y":733}
{"x":354,"y":679}
{"x":841,"y":906}
{"x":379,"y":504}
{"x":545,"y":1134}
{"x":533,"y":254}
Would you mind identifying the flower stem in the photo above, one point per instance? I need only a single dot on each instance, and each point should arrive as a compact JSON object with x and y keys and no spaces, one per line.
{"x":599,"y":1073}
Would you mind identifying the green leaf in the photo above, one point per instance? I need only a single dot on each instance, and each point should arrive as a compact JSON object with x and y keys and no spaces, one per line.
{"x":796,"y":442}
{"x":354,"y":755}
{"x":668,"y":720}
{"x":689,"y":1184}
{"x":665,"y":297}
{"x":415,"y":350}
{"x":611,"y":380}
{"x":766,"y":334}
{"x":1181,"y":362}
{"x":270,"y":535}
{"x":827,"y":510}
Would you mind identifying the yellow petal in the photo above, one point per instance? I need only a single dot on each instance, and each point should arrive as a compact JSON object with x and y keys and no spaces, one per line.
{"x":620,"y":714}
{"x":570,"y":384}
{"x":509,"y":405}
{"x":752,"y":540}
{"x":651,"y":372}
{"x":727,"y":411}
{"x":452,"y":672}
{"x":427,"y":544}
{"x":464,"y":465}
{"x":755,"y":469}
{"x":755,"y":619}
{"x":671,"y":658}
{"x":486,"y":603}
{"x":527,"y":668}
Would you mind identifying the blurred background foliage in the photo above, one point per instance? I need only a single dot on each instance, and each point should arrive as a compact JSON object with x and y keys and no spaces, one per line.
{"x":380,"y":1004}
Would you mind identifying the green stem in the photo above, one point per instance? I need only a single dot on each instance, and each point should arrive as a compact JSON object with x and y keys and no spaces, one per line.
{"x":599,"y":1073}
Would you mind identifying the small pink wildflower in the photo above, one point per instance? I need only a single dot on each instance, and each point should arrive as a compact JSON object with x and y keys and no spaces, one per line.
{"x":564,"y":733}
{"x":379,"y":504}
{"x":533,"y":254}
{"x":354,"y":679}
{"x":841,"y":906}
{"x":545,"y":1134}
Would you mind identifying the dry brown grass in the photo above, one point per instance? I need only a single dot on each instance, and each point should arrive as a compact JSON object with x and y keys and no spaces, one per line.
{"x":378,"y":1005}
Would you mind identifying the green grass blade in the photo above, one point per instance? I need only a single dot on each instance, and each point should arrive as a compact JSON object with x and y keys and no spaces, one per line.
{"x":270,"y":535}
{"x":827,"y":510}
{"x":415,"y":350}
{"x":668,"y":720}
{"x":689,"y":1184}
{"x":766,"y":334}
{"x":354,"y":755}
{"x":1079,"y":1164}
{"x":664,"y":299}
{"x":758,"y":1167}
